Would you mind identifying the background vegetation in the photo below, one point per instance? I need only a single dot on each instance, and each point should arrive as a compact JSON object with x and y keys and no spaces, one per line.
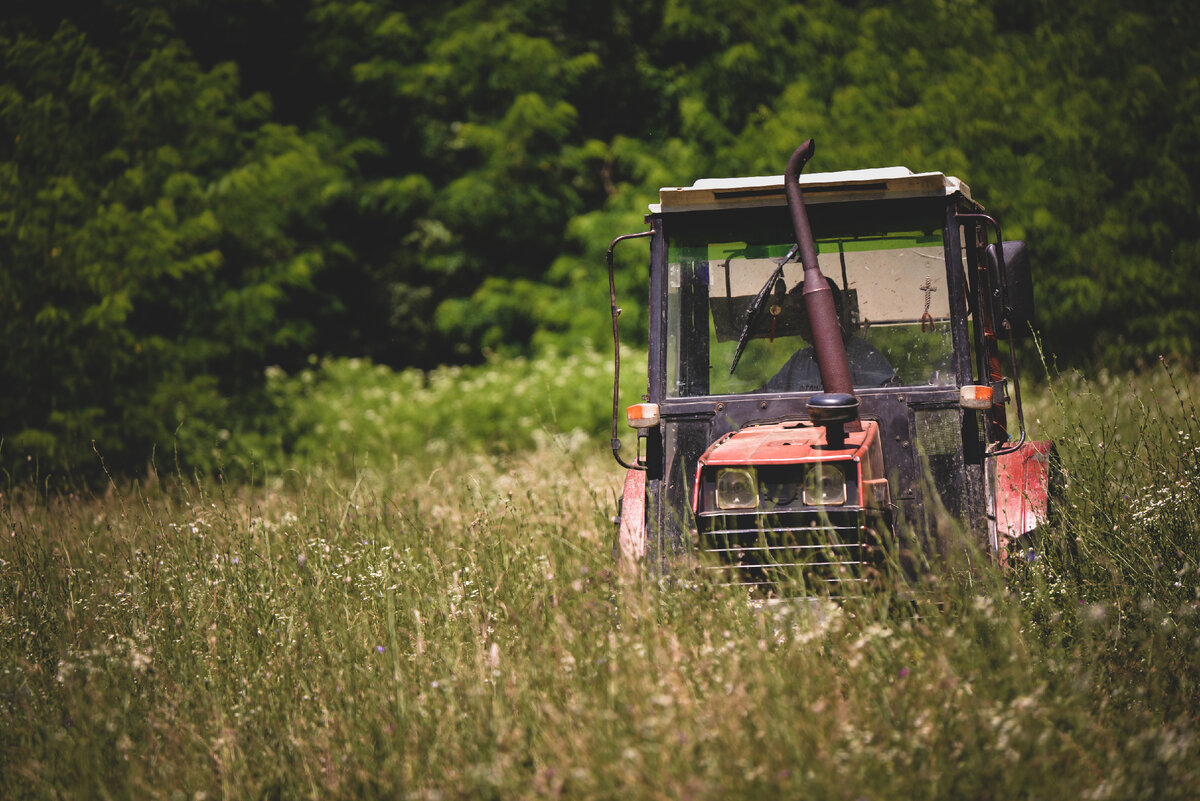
{"x":191,"y":192}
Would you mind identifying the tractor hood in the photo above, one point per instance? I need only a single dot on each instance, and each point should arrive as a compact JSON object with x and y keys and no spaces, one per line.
{"x":790,"y":449}
{"x":794,"y":442}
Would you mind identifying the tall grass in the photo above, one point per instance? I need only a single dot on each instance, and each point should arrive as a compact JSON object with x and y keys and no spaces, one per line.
{"x":457,"y":630}
{"x":1128,"y":523}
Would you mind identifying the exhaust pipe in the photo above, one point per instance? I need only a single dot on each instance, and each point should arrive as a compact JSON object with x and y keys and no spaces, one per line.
{"x":827,"y":343}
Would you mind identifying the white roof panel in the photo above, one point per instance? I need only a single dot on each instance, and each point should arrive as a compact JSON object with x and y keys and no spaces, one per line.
{"x":819,"y":187}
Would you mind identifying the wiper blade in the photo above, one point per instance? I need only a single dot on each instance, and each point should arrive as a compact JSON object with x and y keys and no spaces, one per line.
{"x":756,"y":306}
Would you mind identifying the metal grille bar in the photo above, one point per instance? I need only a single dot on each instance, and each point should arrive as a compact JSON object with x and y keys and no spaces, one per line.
{"x":788,"y":564}
{"x":816,"y":552}
{"x":797,"y":547}
{"x":776,"y":530}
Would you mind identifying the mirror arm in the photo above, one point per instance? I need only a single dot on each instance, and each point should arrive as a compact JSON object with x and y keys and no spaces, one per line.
{"x":1006,"y":322}
{"x":616,"y":312}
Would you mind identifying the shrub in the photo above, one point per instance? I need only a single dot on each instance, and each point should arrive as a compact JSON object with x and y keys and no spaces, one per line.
{"x":350,"y":412}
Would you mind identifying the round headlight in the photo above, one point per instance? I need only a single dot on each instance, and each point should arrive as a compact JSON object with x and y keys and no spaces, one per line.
{"x":824,"y":485}
{"x":737,"y":488}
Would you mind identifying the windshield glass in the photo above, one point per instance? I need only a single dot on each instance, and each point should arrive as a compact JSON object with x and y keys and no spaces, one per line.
{"x":890,"y":289}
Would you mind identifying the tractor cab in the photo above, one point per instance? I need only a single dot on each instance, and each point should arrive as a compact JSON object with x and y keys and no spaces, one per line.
{"x":830,"y":371}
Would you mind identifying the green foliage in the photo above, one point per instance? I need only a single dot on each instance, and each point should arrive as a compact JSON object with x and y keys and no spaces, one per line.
{"x":349,"y":412}
{"x":155,"y":223}
{"x":182,"y":206}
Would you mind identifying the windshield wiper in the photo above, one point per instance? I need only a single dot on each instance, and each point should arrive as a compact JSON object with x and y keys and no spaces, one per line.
{"x":756,"y":306}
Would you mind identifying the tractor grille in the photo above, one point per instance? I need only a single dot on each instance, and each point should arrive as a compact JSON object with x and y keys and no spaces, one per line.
{"x":793,"y":553}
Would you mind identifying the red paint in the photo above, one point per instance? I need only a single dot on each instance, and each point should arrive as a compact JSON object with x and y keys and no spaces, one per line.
{"x":1022,"y":481}
{"x":795,"y":442}
{"x":786,"y":443}
{"x":631,"y":537}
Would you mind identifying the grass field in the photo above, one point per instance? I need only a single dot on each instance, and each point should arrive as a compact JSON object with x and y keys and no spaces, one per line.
{"x":458,"y":629}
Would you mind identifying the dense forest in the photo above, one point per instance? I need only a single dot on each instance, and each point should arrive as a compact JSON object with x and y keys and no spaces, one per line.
{"x":192,"y":191}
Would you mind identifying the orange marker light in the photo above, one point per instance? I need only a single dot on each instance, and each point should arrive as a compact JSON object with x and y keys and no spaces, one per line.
{"x":642,"y":415}
{"x":975,"y":396}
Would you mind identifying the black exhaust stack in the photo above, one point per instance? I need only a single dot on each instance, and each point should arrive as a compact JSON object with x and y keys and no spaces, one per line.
{"x":828,"y":344}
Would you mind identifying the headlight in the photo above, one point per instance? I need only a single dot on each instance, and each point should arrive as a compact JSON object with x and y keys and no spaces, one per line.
{"x":824,"y":485}
{"x":737,"y":488}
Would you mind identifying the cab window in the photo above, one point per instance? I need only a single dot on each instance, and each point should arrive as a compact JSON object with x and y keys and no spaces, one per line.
{"x":736,"y":321}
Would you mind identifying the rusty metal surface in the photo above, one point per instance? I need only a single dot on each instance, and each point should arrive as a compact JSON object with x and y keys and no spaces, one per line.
{"x":1022,"y":485}
{"x":631,"y":536}
{"x":828,"y":346}
{"x":786,"y":443}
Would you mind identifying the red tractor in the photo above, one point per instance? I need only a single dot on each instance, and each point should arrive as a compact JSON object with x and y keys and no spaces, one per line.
{"x":801,"y":423}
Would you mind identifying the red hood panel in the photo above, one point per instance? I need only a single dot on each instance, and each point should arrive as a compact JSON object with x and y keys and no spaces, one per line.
{"x":784,"y":443}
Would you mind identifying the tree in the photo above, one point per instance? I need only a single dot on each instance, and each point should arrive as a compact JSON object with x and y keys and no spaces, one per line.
{"x":154,"y":223}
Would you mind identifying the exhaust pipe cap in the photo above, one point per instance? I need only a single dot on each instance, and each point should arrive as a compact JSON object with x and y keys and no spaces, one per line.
{"x":833,"y":408}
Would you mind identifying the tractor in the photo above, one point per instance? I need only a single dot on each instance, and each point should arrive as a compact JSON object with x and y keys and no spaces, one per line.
{"x":832,"y":380}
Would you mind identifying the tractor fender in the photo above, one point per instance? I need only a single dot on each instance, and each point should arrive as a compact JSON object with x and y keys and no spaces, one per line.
{"x":1021,"y":492}
{"x":631,"y":532}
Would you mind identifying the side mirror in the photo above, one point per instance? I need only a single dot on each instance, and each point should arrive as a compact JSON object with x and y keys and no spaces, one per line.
{"x":1019,"y":283}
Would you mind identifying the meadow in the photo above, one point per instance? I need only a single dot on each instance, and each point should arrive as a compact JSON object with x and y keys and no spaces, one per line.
{"x":378,"y":611}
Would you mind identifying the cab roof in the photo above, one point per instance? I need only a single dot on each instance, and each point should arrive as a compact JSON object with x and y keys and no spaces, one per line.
{"x":884,"y":183}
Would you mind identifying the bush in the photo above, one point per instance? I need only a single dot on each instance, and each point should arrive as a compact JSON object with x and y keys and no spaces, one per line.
{"x":350,"y":412}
